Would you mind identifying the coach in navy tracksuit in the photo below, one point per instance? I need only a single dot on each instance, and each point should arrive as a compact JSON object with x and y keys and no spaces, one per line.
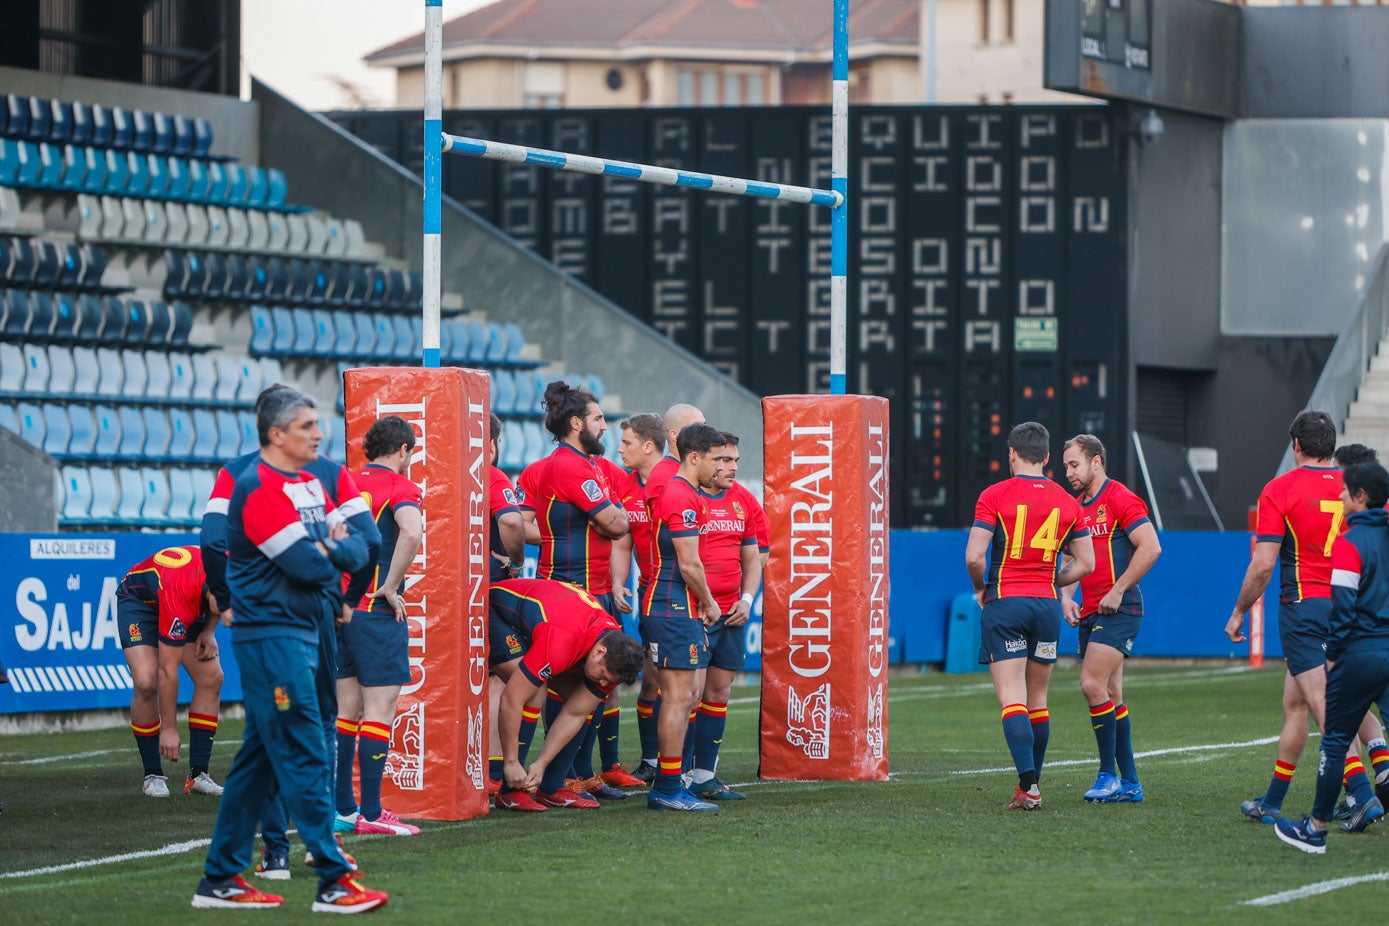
{"x":1357,"y":647}
{"x":285,"y":550}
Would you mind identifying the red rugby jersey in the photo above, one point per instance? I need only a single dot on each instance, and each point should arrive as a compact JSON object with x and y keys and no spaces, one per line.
{"x":1301,"y":510}
{"x":631,"y":493}
{"x":564,"y":621}
{"x":1110,"y":516}
{"x":501,"y":499}
{"x":1031,"y":518}
{"x":171,"y":581}
{"x":384,"y":491}
{"x":565,"y":490}
{"x":726,"y":526}
{"x":677,"y":513}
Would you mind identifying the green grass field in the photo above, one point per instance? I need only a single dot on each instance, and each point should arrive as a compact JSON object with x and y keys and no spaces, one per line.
{"x":933,"y":845}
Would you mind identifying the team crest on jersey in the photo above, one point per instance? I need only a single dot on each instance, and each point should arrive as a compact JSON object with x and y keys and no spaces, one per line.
{"x":513,"y":645}
{"x":689,"y":518}
{"x":592,"y":489}
{"x":135,"y":635}
{"x":177,"y":631}
{"x":1102,"y":513}
{"x":510,"y":497}
{"x":738,"y":510}
{"x":281,"y":699}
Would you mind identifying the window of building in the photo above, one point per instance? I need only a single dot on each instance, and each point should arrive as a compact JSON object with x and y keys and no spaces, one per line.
{"x":719,"y":86}
{"x":542,"y":85}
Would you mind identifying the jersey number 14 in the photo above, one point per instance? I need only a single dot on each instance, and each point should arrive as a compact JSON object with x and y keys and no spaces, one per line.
{"x":1044,"y":539}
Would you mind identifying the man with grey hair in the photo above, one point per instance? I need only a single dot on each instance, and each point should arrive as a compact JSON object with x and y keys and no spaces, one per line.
{"x":285,"y":546}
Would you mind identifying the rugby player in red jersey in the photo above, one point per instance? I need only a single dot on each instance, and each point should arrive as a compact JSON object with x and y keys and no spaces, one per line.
{"x":1110,"y":611}
{"x":1020,"y":526}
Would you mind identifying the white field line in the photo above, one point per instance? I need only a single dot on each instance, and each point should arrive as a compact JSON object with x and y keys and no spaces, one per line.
{"x":45,"y":760}
{"x":1313,"y":890}
{"x":173,"y":848}
{"x":1176,"y":750}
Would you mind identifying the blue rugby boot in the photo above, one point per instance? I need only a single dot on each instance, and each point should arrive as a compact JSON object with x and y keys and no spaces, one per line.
{"x":1106,"y":786}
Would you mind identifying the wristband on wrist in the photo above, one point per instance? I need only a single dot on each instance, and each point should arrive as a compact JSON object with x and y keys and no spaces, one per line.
{"x":746,"y":598}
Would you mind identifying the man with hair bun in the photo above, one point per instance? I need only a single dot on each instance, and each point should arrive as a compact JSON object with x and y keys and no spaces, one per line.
{"x":1299,"y":516}
{"x":1357,"y":646}
{"x":1111,"y":609}
{"x":373,"y":649}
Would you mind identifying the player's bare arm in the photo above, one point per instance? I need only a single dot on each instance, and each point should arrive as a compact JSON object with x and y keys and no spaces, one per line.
{"x":1256,"y":579}
{"x":169,"y":659}
{"x":1080,"y":564}
{"x":620,"y":564}
{"x":410,"y":527}
{"x":1146,"y":550}
{"x":977,"y":559}
{"x":752,"y":580}
{"x":566,"y":726}
{"x":611,"y":522}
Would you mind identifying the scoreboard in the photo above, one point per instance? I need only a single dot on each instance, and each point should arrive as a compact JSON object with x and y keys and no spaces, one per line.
{"x":986,"y":260}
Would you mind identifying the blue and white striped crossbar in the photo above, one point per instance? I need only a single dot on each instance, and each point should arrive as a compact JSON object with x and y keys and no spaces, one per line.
{"x":520,"y":154}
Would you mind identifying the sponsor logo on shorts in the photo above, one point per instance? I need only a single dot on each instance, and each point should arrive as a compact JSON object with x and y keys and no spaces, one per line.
{"x":177,"y":631}
{"x":808,"y":721}
{"x":1128,"y":645}
{"x":135,"y":635}
{"x":281,"y":698}
{"x":1015,"y":646}
{"x":655,"y":651}
{"x":592,"y":490}
{"x":1046,"y":650}
{"x":689,"y":518}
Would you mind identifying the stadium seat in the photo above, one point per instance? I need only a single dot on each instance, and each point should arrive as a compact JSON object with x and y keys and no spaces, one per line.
{"x":132,"y":496}
{"x":157,"y":177}
{"x":276,"y":188}
{"x":31,"y":423}
{"x":41,"y":317}
{"x":204,"y":372}
{"x":250,"y":437}
{"x":478,"y":339}
{"x":228,"y":435}
{"x":105,"y":494}
{"x":180,"y":495}
{"x":304,"y":332}
{"x":82,"y":440}
{"x":61,"y":372}
{"x":216,"y":286}
{"x":217,"y":228}
{"x":18,"y":311}
{"x":298,"y":238}
{"x":181,"y":435}
{"x":176,"y":168}
{"x":513,"y":455}
{"x":155,"y":509}
{"x":271,"y":372}
{"x":8,"y":419}
{"x":355,"y":239}
{"x":202,"y":137}
{"x":91,"y":319}
{"x":228,"y":379}
{"x":180,"y":377}
{"x":496,"y":343}
{"x":527,"y":402}
{"x":136,"y":375}
{"x":404,"y":338}
{"x":108,"y":431}
{"x":198,"y":225}
{"x":216,"y":183}
{"x":258,"y":234}
{"x":203,"y":480}
{"x":160,"y":323}
{"x":535,"y":440}
{"x":86,"y":371}
{"x":66,"y":318}
{"x":325,"y":334}
{"x":12,"y":369}
{"x":132,"y":445}
{"x":238,"y":279}
{"x":262,"y":331}
{"x":57,"y":430}
{"x":284,"y":331}
{"x":36,"y":369}
{"x":157,"y":432}
{"x":114,"y":320}
{"x":248,"y":384}
{"x":515,"y":342}
{"x":160,"y":377}
{"x":344,"y":334}
{"x":77,"y":494}
{"x":182,"y":325}
{"x":503,"y":392}
{"x":121,"y":131}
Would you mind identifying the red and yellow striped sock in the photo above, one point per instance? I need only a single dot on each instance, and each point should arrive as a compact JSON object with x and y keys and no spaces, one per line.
{"x":147,"y":741}
{"x":373,"y":746}
{"x":202,"y":729}
{"x":530,"y":717}
{"x":668,"y":781}
{"x":1278,"y":786}
{"x":343,"y":795}
{"x":1379,"y":759}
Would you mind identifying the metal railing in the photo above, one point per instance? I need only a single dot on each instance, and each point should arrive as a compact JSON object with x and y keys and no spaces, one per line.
{"x":1350,"y":358}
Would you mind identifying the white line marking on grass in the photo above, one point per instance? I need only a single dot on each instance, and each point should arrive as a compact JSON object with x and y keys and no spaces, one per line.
{"x":45,"y":760}
{"x":1176,"y":750}
{"x":173,"y":848}
{"x":1313,"y":890}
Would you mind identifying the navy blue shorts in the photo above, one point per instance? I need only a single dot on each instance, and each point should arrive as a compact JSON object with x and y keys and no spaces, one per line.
{"x":1020,"y":628}
{"x":676,"y":641}
{"x":374,"y":649}
{"x":1302,"y":628}
{"x":139,"y":624}
{"x":504,"y":642}
{"x":1118,"y":630}
{"x":727,"y":649}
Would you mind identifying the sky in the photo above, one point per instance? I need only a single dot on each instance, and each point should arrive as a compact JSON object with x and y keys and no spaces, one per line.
{"x":296,"y":46}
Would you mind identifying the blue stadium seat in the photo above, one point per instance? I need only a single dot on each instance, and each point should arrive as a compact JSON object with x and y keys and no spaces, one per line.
{"x":180,"y":377}
{"x":238,"y":278}
{"x":81,"y":124}
{"x":86,"y":371}
{"x":108,"y":431}
{"x":136,"y":384}
{"x":137,"y":322}
{"x":216,"y":183}
{"x":57,"y":429}
{"x":12,"y":369}
{"x":161,"y":133}
{"x":257,"y":186}
{"x":50,"y":166}
{"x":478,"y":339}
{"x":183,"y":140}
{"x":36,"y":369}
{"x":74,"y":175}
{"x":101,"y":125}
{"x":181,"y":434}
{"x":114,"y":320}
{"x":157,"y":432}
{"x":67,"y":317}
{"x":228,"y":435}
{"x":77,"y":494}
{"x":181,"y":496}
{"x":228,"y":380}
{"x":197,"y":181}
{"x":304,"y":332}
{"x":236,"y":184}
{"x":137,"y":174}
{"x":503,"y":392}
{"x":271,"y":372}
{"x":344,"y":334}
{"x":364,"y":326}
{"x":513,"y":455}
{"x":45,"y":263}
{"x":59,"y":121}
{"x":535,"y":441}
{"x":205,"y":445}
{"x":325,"y":334}
{"x":31,"y":423}
{"x":176,"y":171}
{"x":94,"y":174}
{"x":121,"y":130}
{"x":132,"y":499}
{"x":175,"y":275}
{"x":515,"y":342}
{"x":155,"y":509}
{"x":262,"y":331}
{"x":248,"y":383}
{"x":404,"y":338}
{"x":132,"y":445}
{"x":9,"y":161}
{"x":8,"y":419}
{"x":29,"y":165}
{"x":161,"y":376}
{"x":496,"y":343}
{"x":17,"y":111}
{"x":62,"y":374}
{"x":527,"y":402}
{"x":182,"y":325}
{"x":284,"y":329}
{"x":250,"y":438}
{"x":141,"y":130}
{"x":105,"y":493}
{"x":204,"y":377}
{"x":276,"y":189}
{"x":453,"y":337}
{"x":160,"y":322}
{"x":18,"y":312}
{"x":41,"y":318}
{"x":82,"y":441}
{"x":595,"y":386}
{"x":203,"y":480}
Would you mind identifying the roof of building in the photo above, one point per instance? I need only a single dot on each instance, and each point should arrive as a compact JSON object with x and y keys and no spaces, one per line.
{"x":780,"y":29}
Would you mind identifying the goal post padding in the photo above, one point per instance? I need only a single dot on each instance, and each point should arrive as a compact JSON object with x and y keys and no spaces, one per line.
{"x":825,"y":597}
{"x":437,"y":766}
